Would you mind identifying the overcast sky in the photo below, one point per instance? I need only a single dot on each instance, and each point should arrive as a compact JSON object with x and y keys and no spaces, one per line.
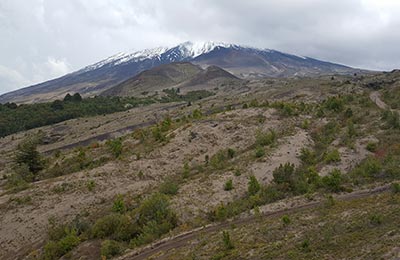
{"x":44,"y":39}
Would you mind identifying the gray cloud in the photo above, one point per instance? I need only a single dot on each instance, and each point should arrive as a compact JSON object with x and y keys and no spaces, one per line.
{"x":43,"y":39}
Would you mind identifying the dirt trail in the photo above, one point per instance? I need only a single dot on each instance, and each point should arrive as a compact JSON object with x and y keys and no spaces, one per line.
{"x":183,"y":239}
{"x":375,"y":96}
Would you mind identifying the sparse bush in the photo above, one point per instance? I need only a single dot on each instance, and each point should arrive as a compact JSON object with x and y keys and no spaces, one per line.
{"x":110,"y":248}
{"x":115,"y":146}
{"x":197,"y":114}
{"x":27,"y":156}
{"x":332,"y":156}
{"x":333,"y":181}
{"x":226,"y":239}
{"x":91,"y":184}
{"x":228,"y":185}
{"x":284,"y":173}
{"x":260,"y":152}
{"x":54,"y":249}
{"x":253,"y":186}
{"x":119,"y":204}
{"x":372,"y":147}
{"x":395,"y":187}
{"x":169,"y":187}
{"x":186,"y":170}
{"x":285,"y":220}
{"x":231,"y":153}
{"x":375,"y":219}
{"x":308,"y":157}
{"x":265,"y":138}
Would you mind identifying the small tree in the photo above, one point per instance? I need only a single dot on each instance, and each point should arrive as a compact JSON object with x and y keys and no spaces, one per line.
{"x":28,"y":155}
{"x":226,"y":239}
{"x":119,"y":204}
{"x":228,"y":185}
{"x":253,"y":185}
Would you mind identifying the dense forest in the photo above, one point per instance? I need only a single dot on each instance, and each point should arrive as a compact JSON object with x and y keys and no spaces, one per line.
{"x":15,"y":118}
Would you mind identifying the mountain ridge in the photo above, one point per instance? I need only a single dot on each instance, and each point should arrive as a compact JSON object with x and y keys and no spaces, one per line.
{"x":241,"y":61}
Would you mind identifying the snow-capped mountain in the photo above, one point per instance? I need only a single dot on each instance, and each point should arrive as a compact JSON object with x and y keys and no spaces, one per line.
{"x":242,"y":61}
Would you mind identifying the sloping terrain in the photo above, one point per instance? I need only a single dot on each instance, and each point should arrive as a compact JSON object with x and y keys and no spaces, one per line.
{"x":182,"y":75}
{"x":243,"y":62}
{"x":260,"y":146}
{"x":155,"y":79}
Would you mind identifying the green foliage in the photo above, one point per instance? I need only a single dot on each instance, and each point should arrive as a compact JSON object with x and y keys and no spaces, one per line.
{"x":372,"y":147}
{"x":197,"y":114}
{"x":335,"y":104}
{"x":115,"y":146}
{"x":41,"y":114}
{"x":186,"y":170}
{"x":332,"y":156}
{"x":115,"y":226}
{"x":231,"y":153}
{"x":228,"y":185}
{"x":307,"y":156}
{"x":333,"y":181}
{"x":91,"y":184}
{"x":260,"y":152}
{"x":265,"y":138}
{"x":368,"y":168}
{"x":227,"y":242}
{"x":253,"y":185}
{"x":392,"y":119}
{"x":285,"y":220}
{"x":169,"y":187}
{"x":27,"y":154}
{"x":110,"y":248}
{"x":284,"y":173}
{"x":395,"y":187}
{"x":376,"y":219}
{"x":119,"y":204}
{"x":54,"y":249}
{"x":173,"y":95}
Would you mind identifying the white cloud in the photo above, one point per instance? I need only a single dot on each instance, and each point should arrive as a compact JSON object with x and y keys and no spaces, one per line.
{"x":361,"y":33}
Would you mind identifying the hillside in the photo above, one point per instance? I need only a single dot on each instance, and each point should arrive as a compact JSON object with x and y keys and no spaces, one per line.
{"x":243,"y":62}
{"x":292,"y":168}
{"x":184,"y":76}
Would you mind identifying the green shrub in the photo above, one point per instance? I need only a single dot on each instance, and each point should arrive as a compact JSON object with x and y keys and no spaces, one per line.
{"x":253,"y":186}
{"x":91,"y":184}
{"x":265,"y":138}
{"x":218,"y":160}
{"x":110,"y":248}
{"x":308,"y":157}
{"x":156,"y":208}
{"x":285,"y":220}
{"x":228,"y":185}
{"x":375,"y":219}
{"x":231,"y":153}
{"x":119,"y":204}
{"x":169,"y":187}
{"x":332,"y":156}
{"x":372,"y":147}
{"x":284,"y":173}
{"x":115,"y":147}
{"x":226,"y":239}
{"x":54,"y":249}
{"x":333,"y":181}
{"x":27,"y":155}
{"x":260,"y":152}
{"x":395,"y":187}
{"x":186,"y":170}
{"x":115,"y":226}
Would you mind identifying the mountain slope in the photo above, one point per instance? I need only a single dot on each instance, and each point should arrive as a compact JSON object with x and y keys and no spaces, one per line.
{"x":182,"y":75}
{"x":244,"y":62}
{"x":155,"y":79}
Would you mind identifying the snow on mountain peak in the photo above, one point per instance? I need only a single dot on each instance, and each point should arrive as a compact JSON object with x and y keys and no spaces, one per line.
{"x":194,"y":49}
{"x":184,"y":50}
